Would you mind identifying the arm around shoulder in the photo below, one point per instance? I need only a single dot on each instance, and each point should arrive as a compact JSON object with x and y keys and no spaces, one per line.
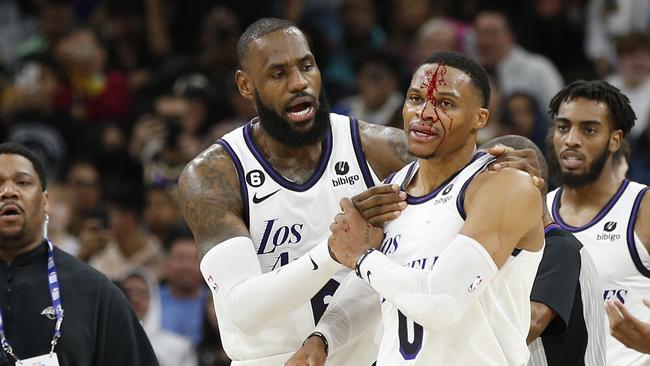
{"x":385,"y":148}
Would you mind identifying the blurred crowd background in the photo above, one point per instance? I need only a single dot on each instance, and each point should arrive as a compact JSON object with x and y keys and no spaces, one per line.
{"x":118,"y":95}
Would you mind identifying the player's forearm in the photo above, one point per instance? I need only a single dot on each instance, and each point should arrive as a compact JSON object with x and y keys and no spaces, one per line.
{"x":353,"y":310}
{"x":251,"y":299}
{"x":434,"y":298}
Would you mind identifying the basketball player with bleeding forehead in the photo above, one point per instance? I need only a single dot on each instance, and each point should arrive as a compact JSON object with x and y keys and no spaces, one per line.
{"x":456,"y":267}
{"x":260,"y":200}
{"x":609,"y":214}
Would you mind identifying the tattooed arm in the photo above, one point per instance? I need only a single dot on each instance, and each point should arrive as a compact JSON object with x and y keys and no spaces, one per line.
{"x":244,"y":296}
{"x":209,"y":196}
{"x":385,"y":148}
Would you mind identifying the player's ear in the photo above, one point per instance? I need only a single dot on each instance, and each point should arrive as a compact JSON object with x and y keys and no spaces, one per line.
{"x":245,"y":85}
{"x":615,"y":140}
{"x":482,"y":118}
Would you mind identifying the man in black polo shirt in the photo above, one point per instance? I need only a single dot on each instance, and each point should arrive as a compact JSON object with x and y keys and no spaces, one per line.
{"x":568,"y":325}
{"x":54,"y":309}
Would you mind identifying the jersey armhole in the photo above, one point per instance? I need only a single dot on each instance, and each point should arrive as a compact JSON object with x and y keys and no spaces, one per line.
{"x":631,"y":242}
{"x":360,"y":155}
{"x":242,"y":181}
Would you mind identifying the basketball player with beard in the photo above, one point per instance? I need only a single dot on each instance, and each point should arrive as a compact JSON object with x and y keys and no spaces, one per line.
{"x":260,"y":200}
{"x":609,"y":214}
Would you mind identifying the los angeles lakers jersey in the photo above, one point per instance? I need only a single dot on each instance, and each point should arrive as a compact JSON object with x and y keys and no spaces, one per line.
{"x":286,"y":220}
{"x":620,"y":258}
{"x":493,"y":330}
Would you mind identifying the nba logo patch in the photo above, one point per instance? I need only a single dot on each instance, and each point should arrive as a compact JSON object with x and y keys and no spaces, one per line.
{"x":213,"y":284}
{"x":474,"y":285}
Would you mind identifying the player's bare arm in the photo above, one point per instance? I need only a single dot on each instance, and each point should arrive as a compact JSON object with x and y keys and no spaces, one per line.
{"x":210,"y":199}
{"x":385,"y":148}
{"x":504,"y":211}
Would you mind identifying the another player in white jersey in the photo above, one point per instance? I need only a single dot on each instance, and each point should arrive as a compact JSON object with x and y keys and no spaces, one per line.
{"x":456,"y":268}
{"x":609,"y":214}
{"x":260,"y":200}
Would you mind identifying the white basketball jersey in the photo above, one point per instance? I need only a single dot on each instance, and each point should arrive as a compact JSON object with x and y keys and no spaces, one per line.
{"x":493,"y":330}
{"x":286,"y":220}
{"x":620,"y":258}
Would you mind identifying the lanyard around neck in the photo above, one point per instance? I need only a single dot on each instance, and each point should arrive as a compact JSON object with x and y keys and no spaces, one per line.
{"x":55,"y":294}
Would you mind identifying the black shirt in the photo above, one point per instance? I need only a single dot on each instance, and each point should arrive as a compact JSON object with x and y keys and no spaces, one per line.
{"x":557,"y":286}
{"x":99,"y":328}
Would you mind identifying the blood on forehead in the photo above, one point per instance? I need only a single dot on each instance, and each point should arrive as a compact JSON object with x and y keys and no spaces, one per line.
{"x":434,"y":78}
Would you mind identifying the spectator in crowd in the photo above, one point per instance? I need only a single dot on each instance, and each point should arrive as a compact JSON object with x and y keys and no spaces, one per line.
{"x":99,"y":328}
{"x":555,"y":29}
{"x":130,"y":245}
{"x":161,"y":212}
{"x":183,"y":294}
{"x":84,"y":181}
{"x":93,"y":94}
{"x":608,"y":19}
{"x":359,"y":32}
{"x":58,"y":228}
{"x":521,"y":115}
{"x":210,"y":350}
{"x":55,"y":19}
{"x":437,"y":35}
{"x":380,"y":100}
{"x":141,"y":290}
{"x":515,"y":68}
{"x":219,"y":32}
{"x":633,"y":76}
{"x":31,"y":116}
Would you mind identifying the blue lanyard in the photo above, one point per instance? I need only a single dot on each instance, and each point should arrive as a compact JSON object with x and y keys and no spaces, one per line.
{"x":55,"y":294}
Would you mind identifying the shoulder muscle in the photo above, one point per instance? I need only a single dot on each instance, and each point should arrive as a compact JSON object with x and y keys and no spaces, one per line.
{"x":210,"y":199}
{"x":385,"y":148}
{"x":504,"y":209}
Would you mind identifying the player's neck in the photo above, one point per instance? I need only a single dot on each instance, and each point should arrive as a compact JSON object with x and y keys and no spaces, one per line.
{"x":596,"y":193}
{"x":275,"y":151}
{"x":435,"y":171}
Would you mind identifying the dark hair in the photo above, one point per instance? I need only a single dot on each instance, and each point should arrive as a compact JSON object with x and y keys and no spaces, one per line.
{"x":621,"y":114}
{"x":476,"y":72}
{"x":256,"y":30}
{"x":520,"y":143}
{"x":632,"y":42}
{"x":378,"y":56}
{"x":624,"y":153}
{"x":180,"y":232}
{"x":11,"y":148}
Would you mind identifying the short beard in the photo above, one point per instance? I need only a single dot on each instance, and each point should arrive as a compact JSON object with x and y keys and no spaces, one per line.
{"x":281,"y":130}
{"x":573,"y":180}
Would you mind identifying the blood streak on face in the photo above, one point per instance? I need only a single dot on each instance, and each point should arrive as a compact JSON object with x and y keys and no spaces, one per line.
{"x":434,"y":78}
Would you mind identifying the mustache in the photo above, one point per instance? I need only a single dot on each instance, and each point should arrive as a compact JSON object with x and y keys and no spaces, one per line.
{"x":301,"y":94}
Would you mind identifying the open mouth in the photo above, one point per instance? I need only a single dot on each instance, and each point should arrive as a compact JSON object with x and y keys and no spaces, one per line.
{"x":10,"y":211}
{"x":301,"y":109}
{"x":423,"y":133}
{"x":571,"y":159}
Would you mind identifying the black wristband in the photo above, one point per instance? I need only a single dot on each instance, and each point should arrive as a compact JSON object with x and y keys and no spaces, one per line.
{"x":363,"y":256}
{"x":322,"y":337}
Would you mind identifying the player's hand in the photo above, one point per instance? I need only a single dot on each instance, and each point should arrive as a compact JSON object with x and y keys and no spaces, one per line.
{"x":525,"y":160}
{"x":632,"y":332}
{"x":312,"y":353}
{"x":380,"y":204}
{"x":352,"y":235}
